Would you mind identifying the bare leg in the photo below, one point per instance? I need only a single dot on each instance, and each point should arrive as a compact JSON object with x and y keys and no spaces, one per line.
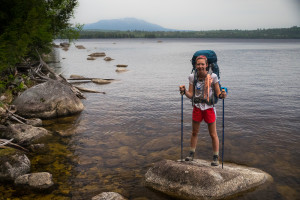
{"x":194,"y":137}
{"x":212,"y":129}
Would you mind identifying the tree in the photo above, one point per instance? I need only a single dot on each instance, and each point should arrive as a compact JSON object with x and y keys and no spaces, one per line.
{"x":29,"y":26}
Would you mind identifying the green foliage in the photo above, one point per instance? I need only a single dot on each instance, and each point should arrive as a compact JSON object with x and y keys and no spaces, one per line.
{"x":280,"y":33}
{"x":71,"y":33}
{"x":12,"y":84}
{"x":29,"y":26}
{"x":2,"y":87}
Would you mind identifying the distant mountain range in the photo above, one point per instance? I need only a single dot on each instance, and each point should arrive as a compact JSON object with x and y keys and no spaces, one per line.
{"x":125,"y":24}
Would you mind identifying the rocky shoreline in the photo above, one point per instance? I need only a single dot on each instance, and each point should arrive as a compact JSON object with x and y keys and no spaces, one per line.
{"x":21,"y":130}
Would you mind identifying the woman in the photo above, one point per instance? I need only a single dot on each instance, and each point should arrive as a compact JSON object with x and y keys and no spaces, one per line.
{"x":203,"y":85}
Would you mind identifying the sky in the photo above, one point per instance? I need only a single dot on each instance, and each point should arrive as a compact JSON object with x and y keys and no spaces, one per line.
{"x":195,"y":14}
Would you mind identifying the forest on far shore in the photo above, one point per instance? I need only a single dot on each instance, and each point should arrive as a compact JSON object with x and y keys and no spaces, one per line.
{"x":276,"y":33}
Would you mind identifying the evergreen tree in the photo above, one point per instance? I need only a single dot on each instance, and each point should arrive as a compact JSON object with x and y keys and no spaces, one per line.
{"x":29,"y":26}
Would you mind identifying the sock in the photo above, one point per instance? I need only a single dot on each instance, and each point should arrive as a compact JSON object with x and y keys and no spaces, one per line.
{"x":192,"y":149}
{"x":216,"y":153}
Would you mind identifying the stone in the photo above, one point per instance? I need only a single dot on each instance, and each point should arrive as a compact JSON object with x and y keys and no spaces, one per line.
{"x":121,"y":69}
{"x":76,"y":76}
{"x":40,"y":148}
{"x":121,"y":65}
{"x":100,"y":81}
{"x":24,"y":134}
{"x":98,"y":54}
{"x":199,"y":180}
{"x":48,"y":100}
{"x":109,"y":196}
{"x":80,"y":47}
{"x":64,"y":44}
{"x":39,"y":180}
{"x":34,"y":122}
{"x":91,"y":58}
{"x":108,"y":59}
{"x":13,"y":163}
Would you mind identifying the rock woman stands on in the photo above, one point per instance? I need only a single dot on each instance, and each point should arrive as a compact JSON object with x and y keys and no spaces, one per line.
{"x":202,"y":109}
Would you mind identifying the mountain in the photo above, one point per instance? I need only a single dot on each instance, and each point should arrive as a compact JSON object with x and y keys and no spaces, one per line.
{"x":125,"y":24}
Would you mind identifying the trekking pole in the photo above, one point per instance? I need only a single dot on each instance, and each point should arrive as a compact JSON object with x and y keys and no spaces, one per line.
{"x":181,"y":127}
{"x":223,"y":135}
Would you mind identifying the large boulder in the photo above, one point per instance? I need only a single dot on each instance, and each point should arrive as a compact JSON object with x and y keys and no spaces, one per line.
{"x":13,"y":163}
{"x":24,"y":134}
{"x":199,"y":180}
{"x":48,"y":100}
{"x":37,"y":181}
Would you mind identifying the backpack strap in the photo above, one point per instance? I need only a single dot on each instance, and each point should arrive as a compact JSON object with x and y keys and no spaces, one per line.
{"x":195,"y":82}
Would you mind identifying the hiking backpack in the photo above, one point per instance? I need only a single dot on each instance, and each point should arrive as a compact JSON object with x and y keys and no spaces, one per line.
{"x":211,"y":59}
{"x":212,"y":68}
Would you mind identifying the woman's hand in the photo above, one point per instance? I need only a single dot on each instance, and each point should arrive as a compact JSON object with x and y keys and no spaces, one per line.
{"x":182,"y":89}
{"x":223,"y":94}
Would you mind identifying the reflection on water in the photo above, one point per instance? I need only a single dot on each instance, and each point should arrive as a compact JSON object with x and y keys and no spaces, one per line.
{"x":137,"y":122}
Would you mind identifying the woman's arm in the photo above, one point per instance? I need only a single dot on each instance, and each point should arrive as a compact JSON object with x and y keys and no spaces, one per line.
{"x":218,"y":92}
{"x":188,"y":93}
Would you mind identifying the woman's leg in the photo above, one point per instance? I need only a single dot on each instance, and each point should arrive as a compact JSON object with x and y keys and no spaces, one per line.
{"x":212,"y":129}
{"x":195,"y":131}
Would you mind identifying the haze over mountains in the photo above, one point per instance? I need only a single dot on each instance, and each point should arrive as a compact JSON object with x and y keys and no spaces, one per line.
{"x":125,"y":24}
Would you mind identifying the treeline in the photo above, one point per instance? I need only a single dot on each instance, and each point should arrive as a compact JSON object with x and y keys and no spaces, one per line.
{"x":278,"y":33}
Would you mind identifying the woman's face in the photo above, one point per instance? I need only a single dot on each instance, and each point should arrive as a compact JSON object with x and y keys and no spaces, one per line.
{"x":201,"y":66}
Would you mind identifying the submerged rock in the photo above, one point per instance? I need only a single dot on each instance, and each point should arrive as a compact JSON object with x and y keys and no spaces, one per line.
{"x":122,"y":65}
{"x":100,"y":81}
{"x":121,"y":69}
{"x":80,"y":47}
{"x":13,"y":163}
{"x":39,"y":181}
{"x":98,"y":54}
{"x":199,"y":180}
{"x":108,"y":196}
{"x":48,"y":100}
{"x":64,"y":44}
{"x":91,"y":58}
{"x":24,"y":134}
{"x":34,"y":122}
{"x":108,"y":59}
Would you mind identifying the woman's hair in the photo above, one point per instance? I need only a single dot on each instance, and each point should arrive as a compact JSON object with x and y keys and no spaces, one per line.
{"x":202,"y":57}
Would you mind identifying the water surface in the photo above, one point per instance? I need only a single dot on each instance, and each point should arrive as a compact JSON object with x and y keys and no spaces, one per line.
{"x":136,"y":123}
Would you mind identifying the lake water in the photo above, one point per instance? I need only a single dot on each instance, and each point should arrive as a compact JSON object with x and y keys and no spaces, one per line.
{"x":120,"y":134}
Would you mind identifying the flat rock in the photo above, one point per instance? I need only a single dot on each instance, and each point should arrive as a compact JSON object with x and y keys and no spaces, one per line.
{"x":121,"y":69}
{"x":108,"y":196}
{"x":39,"y":180}
{"x":100,"y":81}
{"x":24,"y":134}
{"x":199,"y":180}
{"x":80,"y":47}
{"x":98,"y":54}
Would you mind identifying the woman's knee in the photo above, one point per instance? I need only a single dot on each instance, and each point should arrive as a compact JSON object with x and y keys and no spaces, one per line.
{"x":194,"y":133}
{"x":214,"y":136}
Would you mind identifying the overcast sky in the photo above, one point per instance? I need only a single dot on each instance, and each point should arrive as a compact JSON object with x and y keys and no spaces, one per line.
{"x":195,"y":14}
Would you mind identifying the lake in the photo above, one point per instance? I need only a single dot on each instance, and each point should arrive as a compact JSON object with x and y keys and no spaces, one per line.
{"x":120,"y":134}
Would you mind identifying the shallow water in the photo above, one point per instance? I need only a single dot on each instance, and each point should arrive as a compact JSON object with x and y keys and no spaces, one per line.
{"x":137,"y":122}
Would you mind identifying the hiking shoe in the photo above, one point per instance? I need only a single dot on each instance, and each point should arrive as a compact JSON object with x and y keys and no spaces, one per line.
{"x":215,"y":161}
{"x":190,"y":157}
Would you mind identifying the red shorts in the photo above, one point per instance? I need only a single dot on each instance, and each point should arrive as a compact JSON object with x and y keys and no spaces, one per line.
{"x":208,"y":115}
